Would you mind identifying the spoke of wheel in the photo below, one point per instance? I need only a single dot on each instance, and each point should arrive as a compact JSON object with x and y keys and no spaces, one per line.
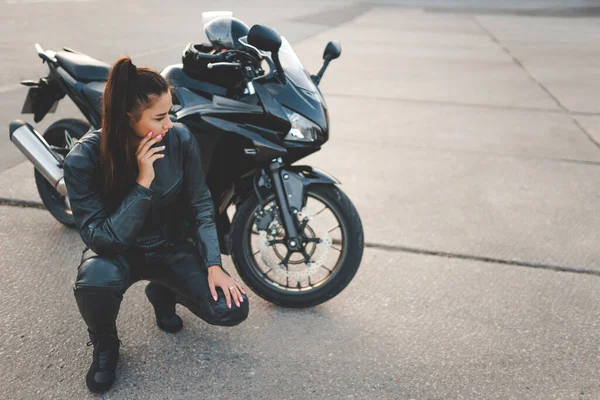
{"x":287,"y":259}
{"x":313,"y":240}
{"x":309,"y":282}
{"x":267,"y":273}
{"x":335,"y":248}
{"x":306,"y":256}
{"x":334,"y":229}
{"x":324,"y":267}
{"x":321,"y":211}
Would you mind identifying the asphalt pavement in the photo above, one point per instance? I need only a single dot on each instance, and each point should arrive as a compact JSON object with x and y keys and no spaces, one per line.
{"x":467,"y":138}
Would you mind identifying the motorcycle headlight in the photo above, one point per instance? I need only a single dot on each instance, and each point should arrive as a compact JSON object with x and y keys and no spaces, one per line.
{"x":303,"y":129}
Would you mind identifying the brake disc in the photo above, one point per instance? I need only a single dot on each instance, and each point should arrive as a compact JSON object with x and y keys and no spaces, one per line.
{"x":273,"y":263}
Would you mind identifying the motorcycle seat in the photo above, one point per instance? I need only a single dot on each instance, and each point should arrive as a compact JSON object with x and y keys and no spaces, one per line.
{"x":83,"y":67}
{"x":93,"y":91}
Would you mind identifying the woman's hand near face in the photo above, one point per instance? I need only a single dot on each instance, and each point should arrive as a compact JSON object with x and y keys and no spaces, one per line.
{"x":146,"y":156}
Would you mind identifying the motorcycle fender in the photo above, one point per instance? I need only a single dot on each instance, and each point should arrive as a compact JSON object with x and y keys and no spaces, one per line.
{"x":296,"y":178}
{"x":42,"y":99}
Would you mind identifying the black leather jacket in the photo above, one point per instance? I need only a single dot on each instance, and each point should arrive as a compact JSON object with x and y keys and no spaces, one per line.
{"x":178,"y":197}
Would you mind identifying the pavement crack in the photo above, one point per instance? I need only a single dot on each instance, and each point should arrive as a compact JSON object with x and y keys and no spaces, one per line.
{"x":585,"y":131}
{"x":519,"y":64}
{"x":21,"y":203}
{"x":466,"y":105}
{"x":475,"y":152}
{"x":394,"y":248}
{"x":490,"y":260}
{"x":588,"y":11}
{"x":535,"y":80}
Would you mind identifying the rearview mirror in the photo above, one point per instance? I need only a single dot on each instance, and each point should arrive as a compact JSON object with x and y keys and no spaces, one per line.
{"x":264,"y":38}
{"x":332,"y":51}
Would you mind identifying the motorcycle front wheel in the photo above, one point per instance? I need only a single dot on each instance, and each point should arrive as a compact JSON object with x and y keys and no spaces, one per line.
{"x":332,"y":248}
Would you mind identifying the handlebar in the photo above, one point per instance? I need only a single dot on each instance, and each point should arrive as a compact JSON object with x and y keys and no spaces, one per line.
{"x":223,"y":64}
{"x":241,"y":59}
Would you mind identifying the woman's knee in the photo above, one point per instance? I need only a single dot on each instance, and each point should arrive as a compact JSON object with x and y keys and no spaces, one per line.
{"x":226,"y":316}
{"x":99,"y":272}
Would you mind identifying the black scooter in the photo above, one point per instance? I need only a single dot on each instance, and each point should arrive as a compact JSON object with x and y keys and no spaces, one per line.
{"x":295,"y":238}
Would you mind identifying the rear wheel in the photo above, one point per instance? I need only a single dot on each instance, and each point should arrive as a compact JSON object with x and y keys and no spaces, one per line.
{"x":61,"y":136}
{"x":331,"y":251}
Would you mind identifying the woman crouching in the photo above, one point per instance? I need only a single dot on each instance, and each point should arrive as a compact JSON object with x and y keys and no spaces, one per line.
{"x":143,"y":209}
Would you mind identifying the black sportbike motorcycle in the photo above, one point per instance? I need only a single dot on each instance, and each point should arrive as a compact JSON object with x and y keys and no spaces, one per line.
{"x":295,"y":238}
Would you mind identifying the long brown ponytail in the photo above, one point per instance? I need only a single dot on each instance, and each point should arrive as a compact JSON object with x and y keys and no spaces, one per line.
{"x":129,"y":89}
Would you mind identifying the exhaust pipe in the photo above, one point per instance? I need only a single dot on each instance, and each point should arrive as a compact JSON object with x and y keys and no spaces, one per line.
{"x":37,"y":150}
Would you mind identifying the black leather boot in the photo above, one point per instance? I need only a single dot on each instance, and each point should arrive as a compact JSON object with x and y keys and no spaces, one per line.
{"x":163,"y":301}
{"x":101,"y":374}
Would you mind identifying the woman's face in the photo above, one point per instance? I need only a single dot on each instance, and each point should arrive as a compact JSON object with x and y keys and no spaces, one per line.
{"x":154,"y":119}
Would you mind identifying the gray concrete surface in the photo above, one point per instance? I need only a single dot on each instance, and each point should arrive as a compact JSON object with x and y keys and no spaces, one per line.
{"x":468,"y":143}
{"x":151,"y":32}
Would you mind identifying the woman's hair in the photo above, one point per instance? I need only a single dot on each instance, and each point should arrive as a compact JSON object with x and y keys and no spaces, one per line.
{"x":129,"y":89}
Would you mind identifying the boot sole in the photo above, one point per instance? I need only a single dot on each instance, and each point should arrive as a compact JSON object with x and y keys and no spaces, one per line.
{"x":169,"y":328}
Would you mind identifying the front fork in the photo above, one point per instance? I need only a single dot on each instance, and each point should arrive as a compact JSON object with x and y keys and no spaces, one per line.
{"x":289,"y":184}
{"x":288,"y":196}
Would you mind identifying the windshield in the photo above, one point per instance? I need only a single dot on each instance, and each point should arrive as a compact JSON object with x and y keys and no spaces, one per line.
{"x":293,"y":67}
{"x":290,"y":63}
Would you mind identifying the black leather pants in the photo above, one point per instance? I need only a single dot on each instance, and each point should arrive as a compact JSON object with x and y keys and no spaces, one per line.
{"x":174,"y":270}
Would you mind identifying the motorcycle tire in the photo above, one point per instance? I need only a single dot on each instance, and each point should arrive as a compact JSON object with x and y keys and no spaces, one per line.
{"x":57,"y":204}
{"x":346,"y":266}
